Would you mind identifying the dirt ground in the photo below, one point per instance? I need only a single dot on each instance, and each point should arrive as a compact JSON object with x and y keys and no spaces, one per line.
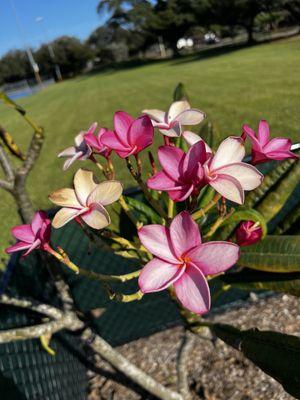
{"x":216,"y":371}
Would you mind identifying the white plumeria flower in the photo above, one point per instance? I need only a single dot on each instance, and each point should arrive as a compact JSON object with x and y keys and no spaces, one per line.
{"x":81,"y":150}
{"x":180,"y":113}
{"x":192,"y":138}
{"x":86,"y":200}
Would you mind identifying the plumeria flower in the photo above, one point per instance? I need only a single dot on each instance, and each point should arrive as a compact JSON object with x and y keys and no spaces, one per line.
{"x":181,"y":260}
{"x":130,"y":135}
{"x":182,"y":173}
{"x":227,"y":174}
{"x":264,"y":148}
{"x":180,"y":113}
{"x":95,"y":142}
{"x":192,"y":138}
{"x":86,"y":200}
{"x":81,"y":150}
{"x":32,"y":236}
{"x":248,"y":232}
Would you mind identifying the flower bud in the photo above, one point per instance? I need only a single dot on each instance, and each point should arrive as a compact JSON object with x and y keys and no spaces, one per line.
{"x":248,"y":232}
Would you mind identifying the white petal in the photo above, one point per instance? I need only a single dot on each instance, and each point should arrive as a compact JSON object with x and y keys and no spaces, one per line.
{"x":68,"y":152}
{"x":97,"y":217}
{"x":156,"y":115}
{"x":176,"y":108}
{"x":84,"y":184}
{"x":228,"y":187}
{"x":65,"y":198}
{"x":231,"y":150}
{"x":105,"y":193}
{"x":248,"y":176}
{"x":190,"y":117}
{"x":65,"y":215}
{"x":192,"y":138}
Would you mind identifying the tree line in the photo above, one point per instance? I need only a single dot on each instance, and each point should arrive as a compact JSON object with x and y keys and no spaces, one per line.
{"x":134,"y":26}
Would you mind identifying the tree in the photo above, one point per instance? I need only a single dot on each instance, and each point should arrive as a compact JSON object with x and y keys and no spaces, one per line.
{"x":14,"y":66}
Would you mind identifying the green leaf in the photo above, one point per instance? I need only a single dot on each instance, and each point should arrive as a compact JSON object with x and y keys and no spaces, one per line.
{"x":289,"y":221}
{"x":277,"y":354}
{"x":275,"y":199}
{"x":206,"y":195}
{"x":143,"y":209}
{"x":180,"y":93}
{"x":256,"y":280}
{"x":242,"y":214}
{"x":273,"y":254}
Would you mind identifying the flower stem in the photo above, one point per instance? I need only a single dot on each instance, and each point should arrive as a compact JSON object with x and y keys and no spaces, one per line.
{"x":137,"y":177}
{"x":219,"y":221}
{"x":201,"y":213}
{"x":170,"y":208}
{"x":127,"y":211}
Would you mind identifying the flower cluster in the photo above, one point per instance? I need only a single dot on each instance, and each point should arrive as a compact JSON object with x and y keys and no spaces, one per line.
{"x":173,"y":253}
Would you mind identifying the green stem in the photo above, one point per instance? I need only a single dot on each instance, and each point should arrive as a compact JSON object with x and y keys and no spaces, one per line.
{"x":201,"y":213}
{"x":170,"y":208}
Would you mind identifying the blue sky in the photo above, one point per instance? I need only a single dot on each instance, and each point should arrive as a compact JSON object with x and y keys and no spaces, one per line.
{"x":60,"y":17}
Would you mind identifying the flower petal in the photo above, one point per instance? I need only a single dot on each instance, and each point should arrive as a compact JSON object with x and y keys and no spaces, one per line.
{"x":173,"y":131}
{"x":161,"y":181}
{"x":278,"y":144}
{"x":180,"y":193}
{"x":156,"y":115}
{"x":192,"y":290}
{"x":195,"y":155}
{"x":251,"y":134}
{"x":228,"y":187}
{"x":192,"y":138}
{"x":68,"y":152}
{"x":231,"y":150}
{"x":37,"y":221}
{"x":35,"y":245}
{"x":70,"y":161}
{"x":248,"y":176}
{"x":18,"y":247}
{"x":184,"y":233}
{"x":97,"y":217}
{"x":84,"y":184}
{"x":263,"y":132}
{"x":157,"y":275}
{"x":190,"y":117}
{"x":106,"y":192}
{"x":156,"y":239}
{"x":214,"y":257}
{"x":65,"y":215}
{"x":23,"y":233}
{"x":65,"y":198}
{"x":171,"y":159}
{"x":176,"y":108}
{"x":141,"y":133}
{"x":122,"y":122}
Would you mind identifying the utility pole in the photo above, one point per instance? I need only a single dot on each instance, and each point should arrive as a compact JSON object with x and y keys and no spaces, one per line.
{"x":32,"y":62}
{"x":58,"y":74}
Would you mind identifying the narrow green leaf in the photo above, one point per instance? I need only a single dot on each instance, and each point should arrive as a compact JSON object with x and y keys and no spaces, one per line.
{"x":273,"y":254}
{"x":289,"y":221}
{"x":6,"y":100}
{"x":206,"y":195}
{"x":143,"y":209}
{"x":180,"y":93}
{"x":277,"y":354}
{"x":256,"y":280}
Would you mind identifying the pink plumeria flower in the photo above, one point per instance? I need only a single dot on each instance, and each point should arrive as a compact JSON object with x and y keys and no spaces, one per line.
{"x":227,"y":174}
{"x":32,"y":236}
{"x":192,"y":138}
{"x":181,"y":260}
{"x":248,"y":232}
{"x":130,"y":135}
{"x":86,"y":200}
{"x":264,"y":148}
{"x":180,"y":113}
{"x":81,"y":150}
{"x":95,"y":142}
{"x":182,"y":173}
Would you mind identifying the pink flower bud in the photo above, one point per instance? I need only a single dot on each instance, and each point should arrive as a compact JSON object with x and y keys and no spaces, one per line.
{"x":248,"y":232}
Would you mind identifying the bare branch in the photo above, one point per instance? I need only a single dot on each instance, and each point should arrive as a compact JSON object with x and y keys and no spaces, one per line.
{"x":6,"y":185}
{"x":119,"y":362}
{"x":182,"y":359}
{"x":6,"y":164}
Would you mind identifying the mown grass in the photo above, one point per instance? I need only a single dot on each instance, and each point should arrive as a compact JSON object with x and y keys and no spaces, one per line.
{"x":232,"y":87}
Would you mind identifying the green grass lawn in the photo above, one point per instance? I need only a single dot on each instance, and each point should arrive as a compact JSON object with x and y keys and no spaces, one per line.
{"x":232,"y":87}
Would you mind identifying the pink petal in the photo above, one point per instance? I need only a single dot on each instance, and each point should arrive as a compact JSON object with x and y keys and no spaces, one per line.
{"x":156,"y":115}
{"x":171,"y":159}
{"x":184,"y":233}
{"x":105,"y":193}
{"x":176,"y":108}
{"x":263,"y":132}
{"x":157,"y":275}
{"x":181,"y":193}
{"x":65,"y":215}
{"x":190,"y":117}
{"x":35,"y":245}
{"x":23,"y":233}
{"x":195,"y":155}
{"x":92,"y":141}
{"x":214,"y":257}
{"x":83,"y":184}
{"x":251,"y":134}
{"x":278,"y":144}
{"x":122,"y":122}
{"x":37,"y":221}
{"x":112,"y":141}
{"x":281,"y":155}
{"x":18,"y":247}
{"x":231,"y":150}
{"x":156,"y":239}
{"x":192,"y":290}
{"x":228,"y":187}
{"x":141,"y":133}
{"x":97,"y":217}
{"x":92,"y":128}
{"x":161,"y":181}
{"x":247,"y":175}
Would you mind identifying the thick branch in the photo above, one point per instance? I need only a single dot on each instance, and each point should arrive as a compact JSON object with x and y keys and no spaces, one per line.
{"x":182,"y":359}
{"x":6,"y":164}
{"x":119,"y":362}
